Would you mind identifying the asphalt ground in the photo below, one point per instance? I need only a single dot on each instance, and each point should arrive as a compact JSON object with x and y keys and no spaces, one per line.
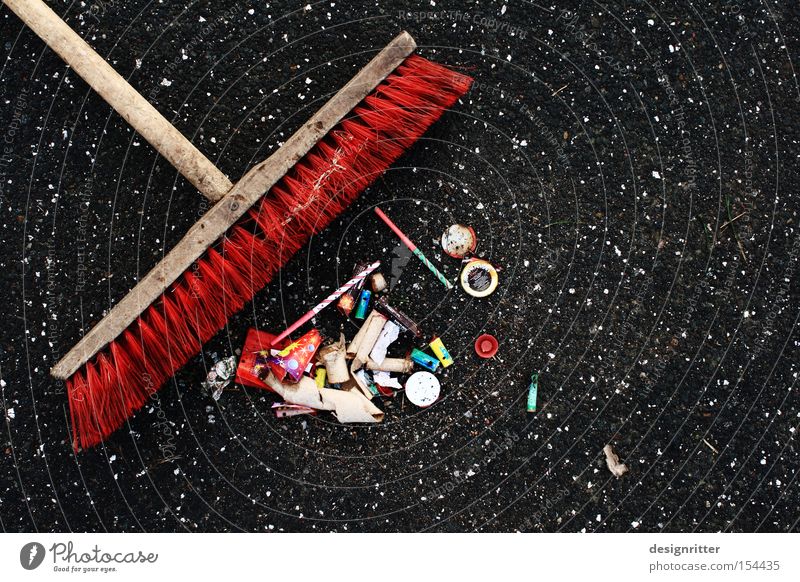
{"x":631,"y":167}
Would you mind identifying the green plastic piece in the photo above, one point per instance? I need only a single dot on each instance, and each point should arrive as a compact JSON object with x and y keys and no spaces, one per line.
{"x":533,"y":390}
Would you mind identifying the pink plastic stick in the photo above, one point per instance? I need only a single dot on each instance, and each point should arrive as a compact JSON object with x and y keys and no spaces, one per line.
{"x":328,"y":300}
{"x":413,"y":248}
{"x":406,"y":241}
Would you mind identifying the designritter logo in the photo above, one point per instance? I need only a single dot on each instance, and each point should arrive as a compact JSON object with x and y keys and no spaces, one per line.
{"x":31,"y":555}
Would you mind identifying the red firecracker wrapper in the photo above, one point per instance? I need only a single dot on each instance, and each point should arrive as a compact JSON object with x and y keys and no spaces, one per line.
{"x":292,"y":359}
{"x":256,"y":347}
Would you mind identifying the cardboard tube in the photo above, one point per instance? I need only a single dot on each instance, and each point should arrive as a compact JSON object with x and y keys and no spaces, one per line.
{"x":333,"y":357}
{"x":352,"y":349}
{"x":378,"y":282}
{"x":398,"y":365}
{"x":369,"y":339}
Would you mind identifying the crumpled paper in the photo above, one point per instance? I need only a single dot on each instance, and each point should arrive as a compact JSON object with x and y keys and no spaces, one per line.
{"x":385,"y":380}
{"x":389,"y":333}
{"x":346,"y":405}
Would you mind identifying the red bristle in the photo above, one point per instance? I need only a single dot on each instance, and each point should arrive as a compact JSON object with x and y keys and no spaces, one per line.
{"x":136,"y":383}
{"x":173,"y":351}
{"x":248,"y":254}
{"x":94,"y":414}
{"x":142,"y":377}
{"x":78,"y":407}
{"x":322,"y":184}
{"x":190,"y":296}
{"x":238,"y":286}
{"x":186,"y":341}
{"x":158,"y":349}
{"x":267,"y":217}
{"x":109,"y":401}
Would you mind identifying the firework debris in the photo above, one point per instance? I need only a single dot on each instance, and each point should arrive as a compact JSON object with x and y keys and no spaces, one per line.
{"x":612,"y":462}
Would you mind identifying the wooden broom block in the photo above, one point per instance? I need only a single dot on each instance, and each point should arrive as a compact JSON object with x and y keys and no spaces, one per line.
{"x":229,"y":209}
{"x":118,"y":93}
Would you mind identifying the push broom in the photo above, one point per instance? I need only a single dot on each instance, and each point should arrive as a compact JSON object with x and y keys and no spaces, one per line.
{"x":253,"y":228}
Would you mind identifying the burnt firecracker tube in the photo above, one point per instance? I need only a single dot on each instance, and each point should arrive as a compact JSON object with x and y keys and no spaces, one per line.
{"x":422,"y":389}
{"x":378,"y":282}
{"x":422,"y":359}
{"x":333,"y":358}
{"x":437,"y":347}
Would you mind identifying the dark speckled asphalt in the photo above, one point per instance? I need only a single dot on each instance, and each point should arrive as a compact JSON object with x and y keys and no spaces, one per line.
{"x":631,"y":166}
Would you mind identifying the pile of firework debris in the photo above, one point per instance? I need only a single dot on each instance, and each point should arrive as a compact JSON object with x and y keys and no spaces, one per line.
{"x":351,"y":378}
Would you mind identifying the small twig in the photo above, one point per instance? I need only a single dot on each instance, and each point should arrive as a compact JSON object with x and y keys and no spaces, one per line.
{"x":706,"y":231}
{"x":741,"y":250}
{"x":560,"y":90}
{"x":735,"y":232}
{"x":542,"y":8}
{"x":732,"y":220}
{"x":710,"y":446}
{"x":557,"y":223}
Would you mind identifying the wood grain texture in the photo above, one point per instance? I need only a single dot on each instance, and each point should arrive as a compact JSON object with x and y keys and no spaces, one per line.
{"x":227,"y":211}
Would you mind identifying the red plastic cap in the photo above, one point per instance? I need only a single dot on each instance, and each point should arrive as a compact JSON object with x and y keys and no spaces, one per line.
{"x":486,"y":346}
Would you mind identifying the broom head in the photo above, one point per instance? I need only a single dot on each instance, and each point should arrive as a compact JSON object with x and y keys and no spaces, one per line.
{"x":119,"y":380}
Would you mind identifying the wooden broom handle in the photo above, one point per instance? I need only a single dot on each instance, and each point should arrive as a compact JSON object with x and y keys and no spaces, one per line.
{"x":118,"y":93}
{"x":247,"y":191}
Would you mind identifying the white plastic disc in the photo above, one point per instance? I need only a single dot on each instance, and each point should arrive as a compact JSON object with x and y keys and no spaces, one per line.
{"x":422,"y":389}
